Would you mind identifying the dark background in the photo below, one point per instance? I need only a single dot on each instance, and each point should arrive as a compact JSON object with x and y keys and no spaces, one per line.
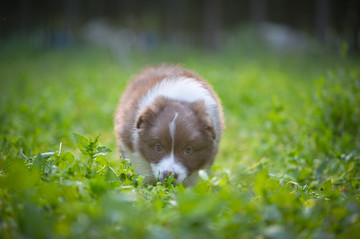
{"x":197,"y":22}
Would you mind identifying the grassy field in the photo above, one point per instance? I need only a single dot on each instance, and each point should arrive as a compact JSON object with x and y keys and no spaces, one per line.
{"x":288,"y":165}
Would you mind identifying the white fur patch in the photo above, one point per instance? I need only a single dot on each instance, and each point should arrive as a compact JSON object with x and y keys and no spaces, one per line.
{"x":172,"y":133}
{"x":169,"y":164}
{"x":182,"y":89}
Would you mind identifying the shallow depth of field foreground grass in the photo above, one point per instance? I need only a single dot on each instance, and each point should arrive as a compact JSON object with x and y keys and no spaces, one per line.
{"x":288,"y":166}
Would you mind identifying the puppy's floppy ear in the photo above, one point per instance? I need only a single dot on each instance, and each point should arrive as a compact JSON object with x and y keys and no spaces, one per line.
{"x":200,"y":109}
{"x":145,"y":116}
{"x":149,"y":113}
{"x":209,"y":126}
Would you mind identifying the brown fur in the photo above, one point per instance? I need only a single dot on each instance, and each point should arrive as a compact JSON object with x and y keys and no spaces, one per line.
{"x":194,"y":126}
{"x":193,"y":129}
{"x":138,"y":87}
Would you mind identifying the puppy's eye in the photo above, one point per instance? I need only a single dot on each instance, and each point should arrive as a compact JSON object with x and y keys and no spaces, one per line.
{"x":188,"y":150}
{"x":158,"y":147}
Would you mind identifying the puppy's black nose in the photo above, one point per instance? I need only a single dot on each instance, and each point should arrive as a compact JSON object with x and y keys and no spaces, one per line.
{"x":167,"y":173}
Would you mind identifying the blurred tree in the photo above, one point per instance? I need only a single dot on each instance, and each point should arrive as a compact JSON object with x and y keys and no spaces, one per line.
{"x":354,"y":23}
{"x":71,"y":16}
{"x":258,"y":10}
{"x":174,"y":28}
{"x":25,"y":15}
{"x":322,"y":19}
{"x":212,"y":33}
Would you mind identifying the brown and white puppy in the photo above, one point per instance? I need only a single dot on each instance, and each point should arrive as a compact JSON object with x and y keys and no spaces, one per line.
{"x":169,"y":120}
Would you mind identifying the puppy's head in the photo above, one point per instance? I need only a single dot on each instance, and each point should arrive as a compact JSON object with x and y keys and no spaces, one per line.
{"x":176,"y":137}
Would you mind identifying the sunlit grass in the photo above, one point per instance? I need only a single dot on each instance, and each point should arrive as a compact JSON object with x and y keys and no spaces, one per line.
{"x":288,"y":164}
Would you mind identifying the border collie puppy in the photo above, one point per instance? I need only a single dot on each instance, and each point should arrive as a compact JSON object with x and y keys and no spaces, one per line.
{"x":169,"y":120}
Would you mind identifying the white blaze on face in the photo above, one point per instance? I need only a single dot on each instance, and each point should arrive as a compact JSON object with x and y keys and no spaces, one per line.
{"x":172,"y":133}
{"x":168,"y":163}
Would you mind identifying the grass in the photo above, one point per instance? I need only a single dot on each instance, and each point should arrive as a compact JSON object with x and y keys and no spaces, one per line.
{"x":288,"y":165}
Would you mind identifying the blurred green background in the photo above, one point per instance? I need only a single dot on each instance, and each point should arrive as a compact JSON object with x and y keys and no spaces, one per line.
{"x":289,"y":79}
